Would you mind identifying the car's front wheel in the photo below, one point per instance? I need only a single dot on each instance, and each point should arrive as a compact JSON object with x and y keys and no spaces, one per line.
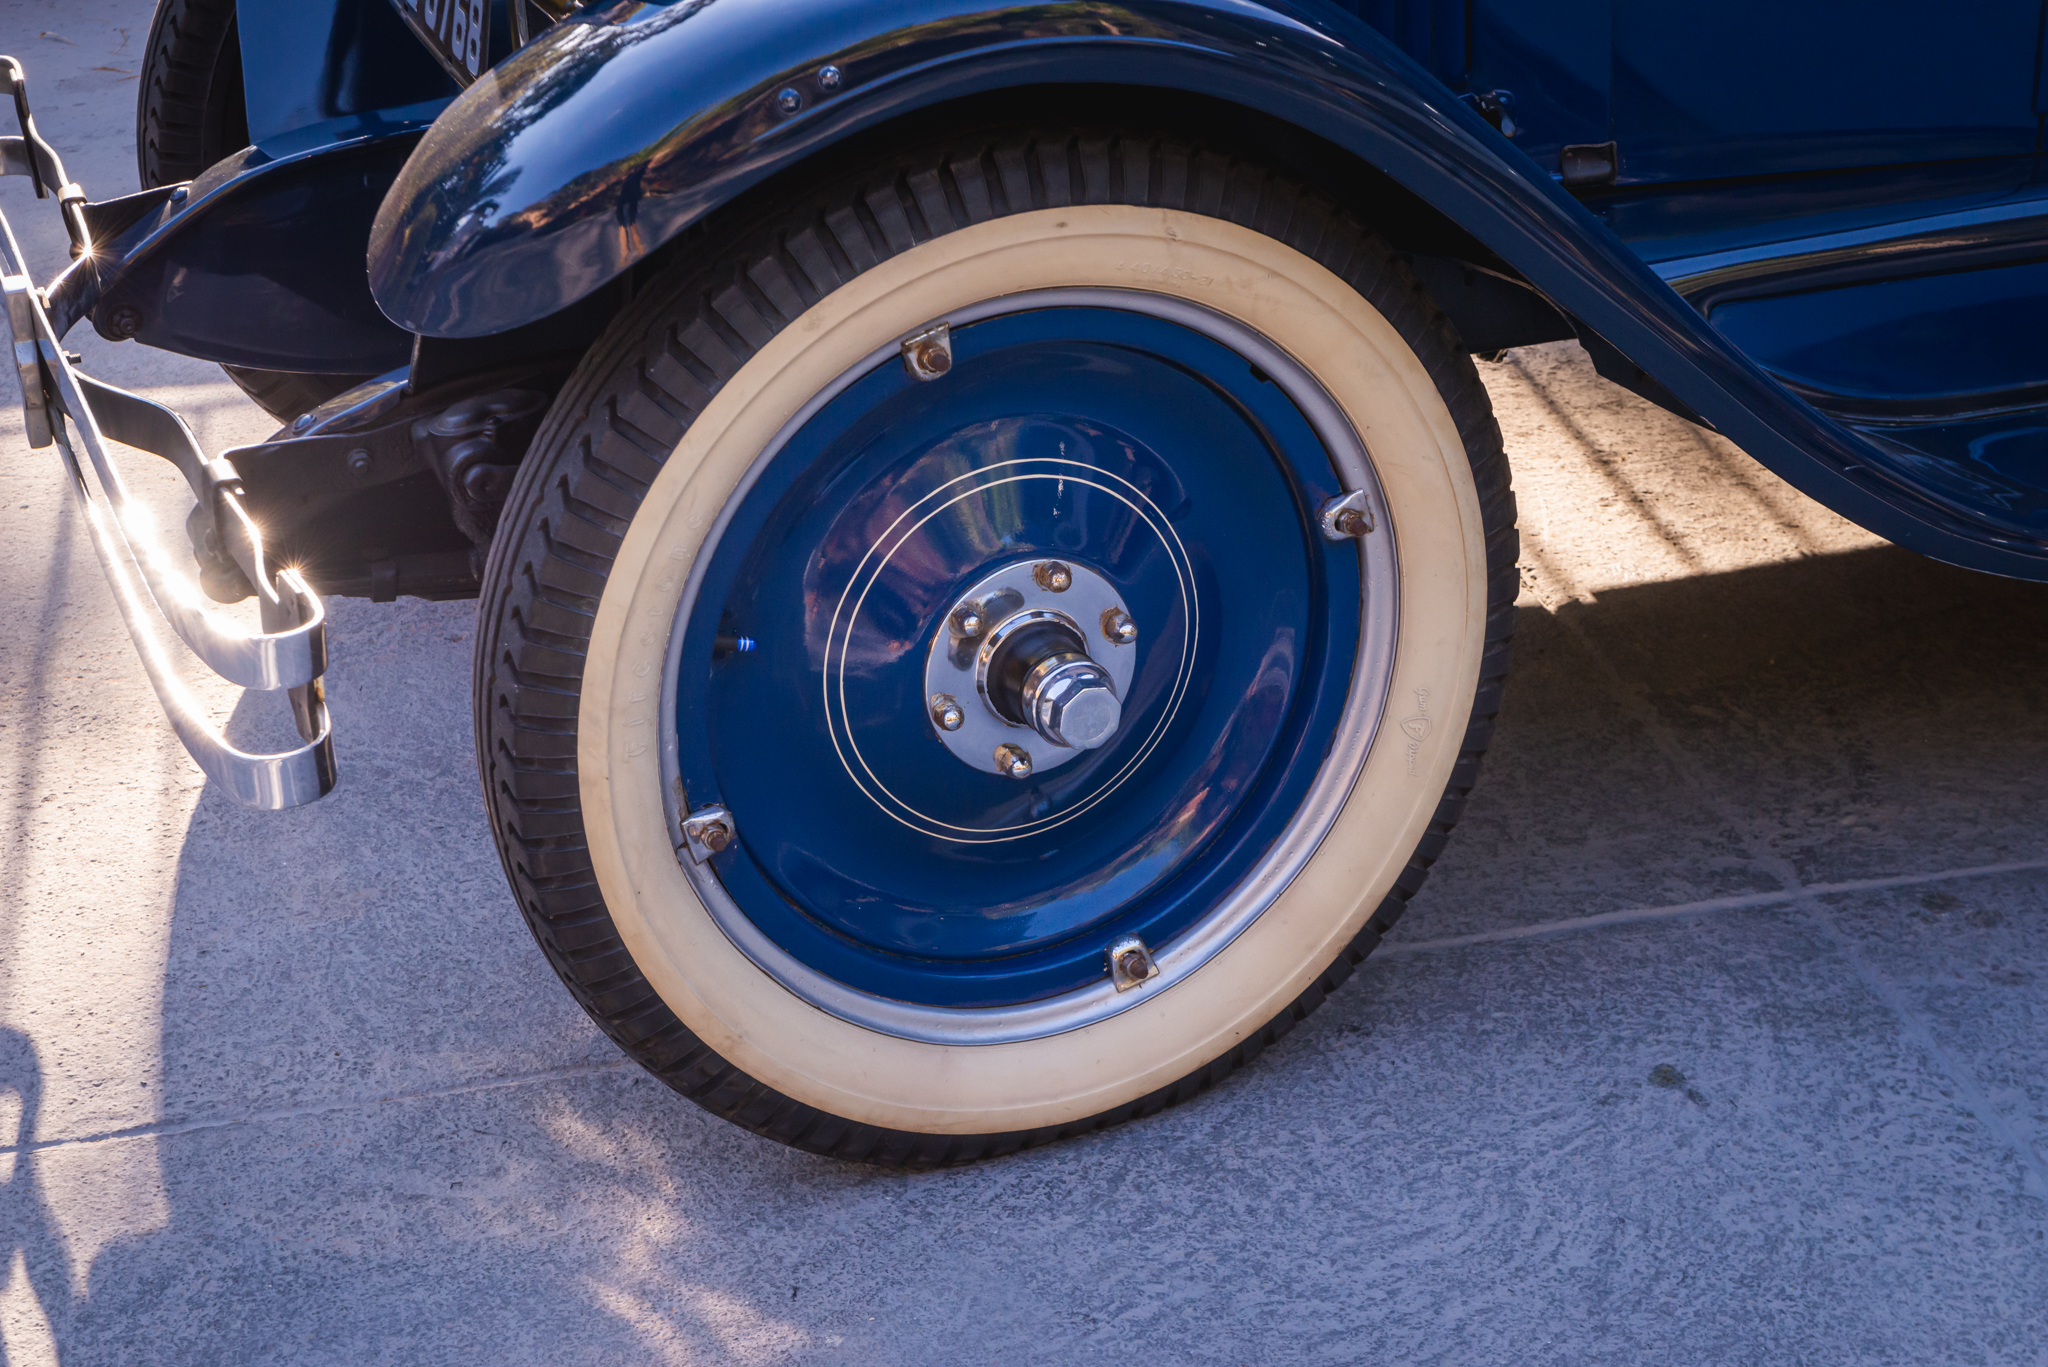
{"x":982,"y":647}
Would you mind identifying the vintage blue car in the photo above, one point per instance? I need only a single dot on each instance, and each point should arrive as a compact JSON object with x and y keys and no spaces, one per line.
{"x":995,"y":565}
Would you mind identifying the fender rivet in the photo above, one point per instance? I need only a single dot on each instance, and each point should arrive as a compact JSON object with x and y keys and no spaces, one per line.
{"x":830,"y":77}
{"x":789,"y":99}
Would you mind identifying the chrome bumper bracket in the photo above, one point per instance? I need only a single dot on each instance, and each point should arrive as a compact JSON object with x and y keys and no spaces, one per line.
{"x":78,"y":414}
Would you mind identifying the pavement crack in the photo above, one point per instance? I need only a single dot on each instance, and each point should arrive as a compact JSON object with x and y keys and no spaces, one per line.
{"x":1537,"y":930}
{"x":1919,"y":1032}
{"x":159,"y":1128}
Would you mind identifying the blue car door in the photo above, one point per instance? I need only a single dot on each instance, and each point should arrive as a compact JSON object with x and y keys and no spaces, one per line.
{"x":1774,"y":87}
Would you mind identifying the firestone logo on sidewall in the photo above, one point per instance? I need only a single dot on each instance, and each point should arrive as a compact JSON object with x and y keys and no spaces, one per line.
{"x":1416,"y":728}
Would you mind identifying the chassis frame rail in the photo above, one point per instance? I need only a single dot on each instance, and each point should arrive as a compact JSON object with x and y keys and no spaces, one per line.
{"x":290,"y":651}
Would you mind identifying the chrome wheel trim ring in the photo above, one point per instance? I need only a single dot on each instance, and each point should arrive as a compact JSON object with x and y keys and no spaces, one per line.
{"x":1365,"y":704}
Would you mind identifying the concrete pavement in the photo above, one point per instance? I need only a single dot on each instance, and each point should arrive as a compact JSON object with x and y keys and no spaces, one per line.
{"x":1720,"y":1035}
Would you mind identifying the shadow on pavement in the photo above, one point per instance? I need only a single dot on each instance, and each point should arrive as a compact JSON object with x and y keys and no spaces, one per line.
{"x":1863,"y":713}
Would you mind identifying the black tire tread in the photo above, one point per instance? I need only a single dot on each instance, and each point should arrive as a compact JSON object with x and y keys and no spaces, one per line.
{"x":746,"y":276}
{"x":179,"y":121}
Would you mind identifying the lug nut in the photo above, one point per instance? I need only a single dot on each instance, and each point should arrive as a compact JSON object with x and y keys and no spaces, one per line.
{"x":1013,"y":761}
{"x":1052,"y":576}
{"x":1118,"y":627}
{"x":967,"y":621}
{"x":946,"y":713}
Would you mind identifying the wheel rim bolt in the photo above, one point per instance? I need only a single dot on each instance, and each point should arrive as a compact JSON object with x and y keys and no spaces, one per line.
{"x":1052,"y":576}
{"x":946,"y":713}
{"x":1118,"y":627}
{"x":1013,"y":760}
{"x":967,"y":621}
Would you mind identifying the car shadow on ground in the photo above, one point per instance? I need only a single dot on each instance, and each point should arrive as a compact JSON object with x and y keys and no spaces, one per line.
{"x":1851,"y":716}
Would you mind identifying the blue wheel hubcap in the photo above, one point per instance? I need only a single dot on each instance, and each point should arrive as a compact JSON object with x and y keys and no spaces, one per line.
{"x":1148,"y":455}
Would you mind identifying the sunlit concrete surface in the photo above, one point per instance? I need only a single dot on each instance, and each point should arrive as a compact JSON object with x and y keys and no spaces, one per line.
{"x":1718,"y":1037}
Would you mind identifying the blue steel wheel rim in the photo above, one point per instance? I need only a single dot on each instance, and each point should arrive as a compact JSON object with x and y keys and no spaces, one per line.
{"x":861,"y":433}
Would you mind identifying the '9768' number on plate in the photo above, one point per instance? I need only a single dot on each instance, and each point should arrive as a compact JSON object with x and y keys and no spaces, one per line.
{"x":459,"y":30}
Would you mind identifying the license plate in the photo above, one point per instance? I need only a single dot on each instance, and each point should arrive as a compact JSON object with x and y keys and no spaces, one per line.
{"x":458,"y":31}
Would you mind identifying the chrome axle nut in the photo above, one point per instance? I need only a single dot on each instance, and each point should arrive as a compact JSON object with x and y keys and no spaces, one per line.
{"x":1052,"y":576}
{"x":1117,"y":626}
{"x":946,"y":713}
{"x":1071,"y":700}
{"x":1013,"y":760}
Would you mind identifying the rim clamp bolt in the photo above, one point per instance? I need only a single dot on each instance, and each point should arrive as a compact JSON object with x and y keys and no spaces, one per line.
{"x":929,"y":355}
{"x":1347,"y":517}
{"x":707,"y":831}
{"x":1131,"y":964}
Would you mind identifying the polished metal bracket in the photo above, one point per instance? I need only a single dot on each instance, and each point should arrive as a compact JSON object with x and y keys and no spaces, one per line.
{"x":290,"y":650}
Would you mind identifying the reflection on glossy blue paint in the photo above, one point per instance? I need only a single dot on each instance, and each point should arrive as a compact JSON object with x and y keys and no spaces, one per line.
{"x":1937,"y":336}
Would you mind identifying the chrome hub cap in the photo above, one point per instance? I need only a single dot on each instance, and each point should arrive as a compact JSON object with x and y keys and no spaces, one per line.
{"x":1020,"y":672}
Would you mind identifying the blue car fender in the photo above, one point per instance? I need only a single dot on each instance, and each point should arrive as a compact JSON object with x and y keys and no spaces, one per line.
{"x":612,"y":133}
